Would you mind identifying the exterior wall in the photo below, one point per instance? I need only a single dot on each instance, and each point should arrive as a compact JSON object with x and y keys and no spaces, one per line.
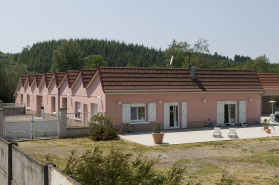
{"x":197,"y":111}
{"x":85,"y":96}
{"x":4,"y":161}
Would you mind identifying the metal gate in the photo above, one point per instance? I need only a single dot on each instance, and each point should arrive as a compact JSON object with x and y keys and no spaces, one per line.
{"x":33,"y":126}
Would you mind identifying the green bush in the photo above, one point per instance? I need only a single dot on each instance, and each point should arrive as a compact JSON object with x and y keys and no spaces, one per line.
{"x":117,"y":168}
{"x":101,"y":128}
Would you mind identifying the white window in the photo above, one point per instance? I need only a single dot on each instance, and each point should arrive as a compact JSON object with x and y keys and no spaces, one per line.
{"x":94,"y":108}
{"x":138,"y":112}
{"x":77,"y":110}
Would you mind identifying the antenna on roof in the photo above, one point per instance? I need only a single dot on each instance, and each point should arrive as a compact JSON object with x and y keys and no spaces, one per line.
{"x":171,"y":61}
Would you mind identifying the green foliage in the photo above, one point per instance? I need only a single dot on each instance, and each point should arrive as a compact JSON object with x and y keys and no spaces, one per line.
{"x":67,"y":57}
{"x":276,"y":98}
{"x":183,"y":53}
{"x":260,"y":64}
{"x":101,"y":128}
{"x":266,"y":123}
{"x":94,"y":61}
{"x":117,"y":168}
{"x":157,"y":129}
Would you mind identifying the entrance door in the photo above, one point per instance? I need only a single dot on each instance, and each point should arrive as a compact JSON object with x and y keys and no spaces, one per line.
{"x":230,"y":113}
{"x":174,"y":115}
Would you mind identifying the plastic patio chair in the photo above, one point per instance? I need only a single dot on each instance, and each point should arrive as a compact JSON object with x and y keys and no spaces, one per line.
{"x":232,"y":132}
{"x":216,"y":132}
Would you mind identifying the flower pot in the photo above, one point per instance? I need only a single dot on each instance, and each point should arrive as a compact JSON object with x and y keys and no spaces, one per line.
{"x":158,"y":137}
{"x":265,"y":127}
{"x":267,"y":130}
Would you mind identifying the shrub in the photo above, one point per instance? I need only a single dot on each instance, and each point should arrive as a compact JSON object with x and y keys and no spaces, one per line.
{"x":116,"y":168}
{"x":101,"y":128}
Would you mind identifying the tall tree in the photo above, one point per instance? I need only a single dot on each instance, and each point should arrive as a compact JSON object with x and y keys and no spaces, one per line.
{"x":67,"y":57}
{"x":94,"y":61}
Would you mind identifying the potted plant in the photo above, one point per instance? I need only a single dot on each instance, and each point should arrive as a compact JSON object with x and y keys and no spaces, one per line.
{"x":157,"y":134}
{"x":267,"y":124}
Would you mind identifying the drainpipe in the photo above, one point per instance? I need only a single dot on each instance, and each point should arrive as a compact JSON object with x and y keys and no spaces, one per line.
{"x":261,"y":102}
{"x":58,"y":98}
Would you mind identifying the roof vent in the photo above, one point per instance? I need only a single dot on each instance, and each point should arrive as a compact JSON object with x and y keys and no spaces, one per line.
{"x":192,"y":71}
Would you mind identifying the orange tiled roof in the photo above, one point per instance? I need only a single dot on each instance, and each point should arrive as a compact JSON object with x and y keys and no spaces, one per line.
{"x":118,"y":79}
{"x":23,"y":79}
{"x":86,"y":75}
{"x":59,"y":77}
{"x":71,"y":74}
{"x":39,"y":78}
{"x":269,"y":80}
{"x":48,"y":77}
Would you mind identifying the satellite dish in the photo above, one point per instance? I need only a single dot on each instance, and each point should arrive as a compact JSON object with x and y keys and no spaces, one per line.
{"x":171,"y":60}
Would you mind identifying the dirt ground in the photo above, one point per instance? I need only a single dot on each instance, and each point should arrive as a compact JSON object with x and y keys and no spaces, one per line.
{"x":250,"y":161}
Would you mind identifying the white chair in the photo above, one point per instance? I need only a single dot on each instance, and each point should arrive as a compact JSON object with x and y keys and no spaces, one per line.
{"x":216,"y":132}
{"x":232,"y":132}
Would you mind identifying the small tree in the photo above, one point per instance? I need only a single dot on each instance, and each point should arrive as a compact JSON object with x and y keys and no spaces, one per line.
{"x":117,"y":168}
{"x":101,"y":128}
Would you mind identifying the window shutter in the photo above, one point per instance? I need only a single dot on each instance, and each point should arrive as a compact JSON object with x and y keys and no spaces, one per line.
{"x":220,"y":113}
{"x":166,"y":116}
{"x":152,"y":112}
{"x":184,"y":115}
{"x":126,"y":113}
{"x":242,"y":111}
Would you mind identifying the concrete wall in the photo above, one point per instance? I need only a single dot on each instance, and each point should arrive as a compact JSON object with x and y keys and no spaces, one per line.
{"x":58,"y":177}
{"x":14,"y":110}
{"x":26,"y":169}
{"x":4,"y":147}
{"x":19,"y":168}
{"x":78,"y":132}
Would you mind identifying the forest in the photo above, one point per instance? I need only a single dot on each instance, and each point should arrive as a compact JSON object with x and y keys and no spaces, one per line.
{"x":75,"y":54}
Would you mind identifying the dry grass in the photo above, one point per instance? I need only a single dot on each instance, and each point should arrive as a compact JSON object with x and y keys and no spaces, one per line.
{"x":250,"y":161}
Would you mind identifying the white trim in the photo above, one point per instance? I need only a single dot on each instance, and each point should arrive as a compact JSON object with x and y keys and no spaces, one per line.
{"x":184,"y":115}
{"x":139,"y":122}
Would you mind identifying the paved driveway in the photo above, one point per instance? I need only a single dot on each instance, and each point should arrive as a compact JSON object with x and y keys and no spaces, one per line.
{"x":181,"y":136}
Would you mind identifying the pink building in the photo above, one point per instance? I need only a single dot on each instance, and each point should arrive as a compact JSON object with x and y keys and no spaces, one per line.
{"x":146,"y":97}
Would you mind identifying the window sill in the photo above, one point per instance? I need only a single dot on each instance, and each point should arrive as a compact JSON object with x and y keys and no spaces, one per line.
{"x":139,"y":122}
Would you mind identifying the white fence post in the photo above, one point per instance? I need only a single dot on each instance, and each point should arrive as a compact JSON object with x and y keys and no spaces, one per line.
{"x":62,"y":123}
{"x":2,"y":126}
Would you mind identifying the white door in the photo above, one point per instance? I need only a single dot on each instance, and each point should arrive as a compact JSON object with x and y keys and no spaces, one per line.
{"x":220,"y":113}
{"x":242,"y":111}
{"x":166,"y":116}
{"x":184,"y":115}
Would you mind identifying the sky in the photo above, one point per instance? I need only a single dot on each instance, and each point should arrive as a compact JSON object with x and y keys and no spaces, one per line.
{"x":242,"y":27}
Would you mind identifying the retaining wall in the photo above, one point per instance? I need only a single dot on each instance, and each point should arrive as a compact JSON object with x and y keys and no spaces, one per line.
{"x":4,"y":156}
{"x":19,"y":168}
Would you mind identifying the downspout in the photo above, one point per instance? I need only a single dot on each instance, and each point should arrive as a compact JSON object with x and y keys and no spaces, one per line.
{"x":261,"y":102}
{"x":58,"y":99}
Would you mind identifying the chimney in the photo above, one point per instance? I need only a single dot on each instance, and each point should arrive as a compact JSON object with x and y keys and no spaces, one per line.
{"x":193,"y":71}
